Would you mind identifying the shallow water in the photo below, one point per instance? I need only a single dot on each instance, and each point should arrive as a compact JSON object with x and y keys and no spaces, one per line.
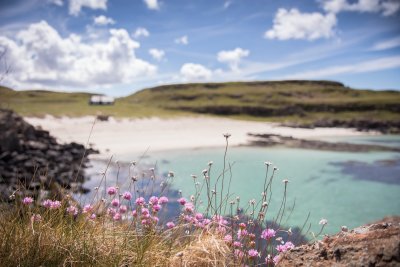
{"x":344,"y":187}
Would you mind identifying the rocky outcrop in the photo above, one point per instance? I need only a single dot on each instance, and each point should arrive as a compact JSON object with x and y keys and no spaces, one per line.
{"x":289,"y":141}
{"x":30,"y":158}
{"x":377,"y":244}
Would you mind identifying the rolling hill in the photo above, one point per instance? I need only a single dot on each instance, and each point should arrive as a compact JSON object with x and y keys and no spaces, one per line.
{"x":297,"y":103}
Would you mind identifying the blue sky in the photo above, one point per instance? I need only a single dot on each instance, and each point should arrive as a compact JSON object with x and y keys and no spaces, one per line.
{"x":120,"y":46}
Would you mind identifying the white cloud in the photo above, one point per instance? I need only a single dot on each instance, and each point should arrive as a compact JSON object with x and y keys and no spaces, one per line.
{"x":141,"y":32}
{"x":75,"y":6}
{"x":232,"y":57}
{"x":157,"y":54}
{"x":388,"y":44}
{"x":386,"y":7}
{"x":292,"y":24}
{"x":103,"y":20}
{"x":362,"y":67}
{"x":184,"y":40}
{"x":152,"y":4}
{"x":56,"y":2}
{"x":195,"y":72}
{"x":43,"y":58}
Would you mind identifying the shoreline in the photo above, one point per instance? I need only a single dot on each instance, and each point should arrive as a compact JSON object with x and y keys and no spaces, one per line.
{"x":127,"y":136}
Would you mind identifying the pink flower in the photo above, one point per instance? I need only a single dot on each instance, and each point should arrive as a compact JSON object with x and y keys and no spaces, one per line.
{"x":156,"y":208}
{"x":87,"y":208}
{"x":239,"y":254}
{"x":72,"y":210}
{"x":242,"y":226}
{"x":140,"y":201}
{"x":47,"y":203}
{"x":228,"y":239}
{"x":268,"y":234}
{"x":155,"y":219}
{"x":127,"y":195}
{"x":117,"y":217}
{"x":276,"y":259}
{"x":199,"y":216}
{"x":36,"y":218}
{"x":115,"y":202}
{"x":253,"y":253}
{"x":170,"y":225}
{"x":55,"y":204}
{"x":182,"y":201}
{"x":27,"y":201}
{"x":111,"y":190}
{"x":145,"y":211}
{"x":153,"y":200}
{"x":237,"y":244}
{"x":92,"y":216}
{"x":287,"y":246}
{"x":123,"y":208}
{"x":241,"y":233}
{"x":111,"y":211}
{"x":134,"y":213}
{"x":163,"y":200}
{"x":189,"y":207}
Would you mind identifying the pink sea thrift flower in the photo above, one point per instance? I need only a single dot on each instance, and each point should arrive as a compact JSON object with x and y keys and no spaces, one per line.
{"x":134,"y":213}
{"x":287,"y":246}
{"x":242,"y":233}
{"x":242,"y":226}
{"x":111,"y":211}
{"x":111,"y":190}
{"x":87,"y":208}
{"x":163,"y":200}
{"x":127,"y":195}
{"x":72,"y":210}
{"x":153,"y":200}
{"x":27,"y":201}
{"x":36,"y":218}
{"x":276,"y":259}
{"x":221,"y":230}
{"x":155,"y":219}
{"x":199,"y":216}
{"x":55,"y":204}
{"x":253,"y":253}
{"x":239,"y":254}
{"x":92,"y":216}
{"x":123,"y":208}
{"x":145,"y":211}
{"x":156,"y":208}
{"x":268,"y":234}
{"x":189,"y":207}
{"x":117,"y":217}
{"x":47,"y":203}
{"x":170,"y":225}
{"x":228,"y":239}
{"x":140,"y":201}
{"x":115,"y":202}
{"x":237,"y":244}
{"x":182,"y":201}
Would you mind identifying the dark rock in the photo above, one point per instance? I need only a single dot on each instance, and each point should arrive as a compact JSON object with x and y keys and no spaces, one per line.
{"x":30,"y":158}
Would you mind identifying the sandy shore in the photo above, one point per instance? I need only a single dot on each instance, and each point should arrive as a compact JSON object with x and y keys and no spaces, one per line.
{"x":126,"y":136}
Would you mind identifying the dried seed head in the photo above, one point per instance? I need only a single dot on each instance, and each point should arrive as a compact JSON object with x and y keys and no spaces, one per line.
{"x":267,"y":163}
{"x":285,"y":181}
{"x":227,"y":135}
{"x":193,"y":176}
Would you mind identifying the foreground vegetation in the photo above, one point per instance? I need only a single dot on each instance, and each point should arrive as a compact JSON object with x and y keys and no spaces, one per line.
{"x":123,"y":224}
{"x":293,"y":102}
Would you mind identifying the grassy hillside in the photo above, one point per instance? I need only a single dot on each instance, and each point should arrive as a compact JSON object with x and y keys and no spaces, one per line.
{"x":298,"y":102}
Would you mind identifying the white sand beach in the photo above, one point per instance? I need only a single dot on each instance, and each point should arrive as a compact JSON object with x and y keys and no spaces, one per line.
{"x":127,"y":136}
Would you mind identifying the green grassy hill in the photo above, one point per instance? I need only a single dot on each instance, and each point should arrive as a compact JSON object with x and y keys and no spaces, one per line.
{"x":292,"y":102}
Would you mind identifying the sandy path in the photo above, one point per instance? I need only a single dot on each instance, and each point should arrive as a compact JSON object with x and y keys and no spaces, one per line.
{"x":127,"y":136}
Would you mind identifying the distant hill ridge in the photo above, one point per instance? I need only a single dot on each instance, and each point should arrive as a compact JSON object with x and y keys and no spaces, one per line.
{"x":295,"y":103}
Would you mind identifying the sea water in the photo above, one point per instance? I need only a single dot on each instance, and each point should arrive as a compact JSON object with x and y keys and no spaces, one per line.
{"x":346,"y":188}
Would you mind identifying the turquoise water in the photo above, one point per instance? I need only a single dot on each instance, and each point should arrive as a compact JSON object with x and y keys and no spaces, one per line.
{"x":321,"y":182}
